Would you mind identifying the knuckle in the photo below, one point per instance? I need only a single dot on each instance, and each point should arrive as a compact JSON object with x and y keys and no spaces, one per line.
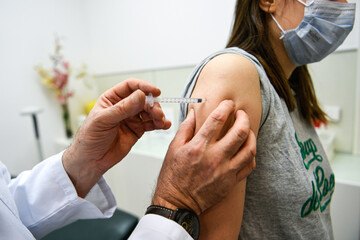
{"x":229,"y":103}
{"x":252,"y":144}
{"x":244,"y":173}
{"x":192,"y":151}
{"x":241,"y":161}
{"x":252,"y":150}
{"x":242,"y":132}
{"x":235,"y":165}
{"x":127,"y":81}
{"x":131,"y":79}
{"x":120,"y":107}
{"x":203,"y":137}
{"x":217,"y":116}
{"x":196,"y":150}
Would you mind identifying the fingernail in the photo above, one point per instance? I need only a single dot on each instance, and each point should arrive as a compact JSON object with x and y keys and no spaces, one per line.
{"x":191,"y":113}
{"x":231,"y":102}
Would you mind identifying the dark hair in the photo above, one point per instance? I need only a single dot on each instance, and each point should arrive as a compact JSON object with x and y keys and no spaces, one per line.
{"x":251,"y":33}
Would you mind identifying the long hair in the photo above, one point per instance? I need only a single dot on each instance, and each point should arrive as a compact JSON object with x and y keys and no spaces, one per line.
{"x":251,"y":33}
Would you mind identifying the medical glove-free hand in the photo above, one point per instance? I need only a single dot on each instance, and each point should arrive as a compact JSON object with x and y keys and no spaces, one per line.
{"x":199,"y":171}
{"x":114,"y":125}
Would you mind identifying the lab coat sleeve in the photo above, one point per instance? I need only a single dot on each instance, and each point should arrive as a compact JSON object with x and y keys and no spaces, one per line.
{"x":155,"y":227}
{"x":46,"y":198}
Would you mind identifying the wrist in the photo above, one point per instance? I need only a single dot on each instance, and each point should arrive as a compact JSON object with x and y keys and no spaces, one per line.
{"x":175,"y":203}
{"x":81,"y":174}
{"x":159,"y":201}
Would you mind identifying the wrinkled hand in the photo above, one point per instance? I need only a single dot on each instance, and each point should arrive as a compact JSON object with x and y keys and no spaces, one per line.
{"x":199,"y":171}
{"x":113,"y":126}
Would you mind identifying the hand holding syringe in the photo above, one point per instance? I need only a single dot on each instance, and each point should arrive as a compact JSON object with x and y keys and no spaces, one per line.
{"x":151,"y":100}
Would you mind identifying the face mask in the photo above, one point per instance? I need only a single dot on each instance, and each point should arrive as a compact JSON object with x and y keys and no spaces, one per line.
{"x":324,"y":28}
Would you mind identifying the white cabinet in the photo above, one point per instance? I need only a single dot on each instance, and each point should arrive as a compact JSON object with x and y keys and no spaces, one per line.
{"x":345,"y":211}
{"x":133,"y":181}
{"x":345,"y":205}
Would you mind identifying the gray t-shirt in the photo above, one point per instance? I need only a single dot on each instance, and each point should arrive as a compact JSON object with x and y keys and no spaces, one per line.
{"x":288,"y":194}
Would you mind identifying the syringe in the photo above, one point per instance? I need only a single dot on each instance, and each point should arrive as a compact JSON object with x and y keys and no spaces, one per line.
{"x":149,"y":99}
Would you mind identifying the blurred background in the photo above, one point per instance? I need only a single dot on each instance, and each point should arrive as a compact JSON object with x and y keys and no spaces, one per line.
{"x":105,"y":42}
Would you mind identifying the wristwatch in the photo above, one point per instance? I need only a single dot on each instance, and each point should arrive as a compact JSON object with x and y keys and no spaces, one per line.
{"x":187,"y":219}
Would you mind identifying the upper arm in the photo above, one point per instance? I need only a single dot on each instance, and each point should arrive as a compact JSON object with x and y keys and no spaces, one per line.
{"x":227,"y":76}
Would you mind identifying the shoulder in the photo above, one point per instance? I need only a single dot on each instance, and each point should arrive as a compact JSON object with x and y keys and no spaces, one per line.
{"x":230,"y":76}
{"x":231,"y":63}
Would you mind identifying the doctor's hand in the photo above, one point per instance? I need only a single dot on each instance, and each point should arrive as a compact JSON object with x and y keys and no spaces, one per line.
{"x":118,"y":119}
{"x":199,"y":171}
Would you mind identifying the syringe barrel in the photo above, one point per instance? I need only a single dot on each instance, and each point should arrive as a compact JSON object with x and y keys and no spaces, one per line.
{"x":151,"y":100}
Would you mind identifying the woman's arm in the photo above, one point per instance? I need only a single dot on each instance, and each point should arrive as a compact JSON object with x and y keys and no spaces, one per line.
{"x":227,"y":76}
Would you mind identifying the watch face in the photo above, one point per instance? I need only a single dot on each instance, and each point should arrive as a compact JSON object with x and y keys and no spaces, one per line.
{"x":190,"y":222}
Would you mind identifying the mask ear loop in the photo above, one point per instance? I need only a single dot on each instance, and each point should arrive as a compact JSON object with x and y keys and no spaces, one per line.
{"x":278,"y":24}
{"x":306,"y":4}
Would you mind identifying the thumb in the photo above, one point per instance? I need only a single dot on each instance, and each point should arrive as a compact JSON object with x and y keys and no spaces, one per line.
{"x":186,"y":129}
{"x":127,"y":107}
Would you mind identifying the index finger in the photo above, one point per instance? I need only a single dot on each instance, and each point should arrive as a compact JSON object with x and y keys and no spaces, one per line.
{"x":125,"y":88}
{"x":215,"y":122}
{"x":237,"y":134}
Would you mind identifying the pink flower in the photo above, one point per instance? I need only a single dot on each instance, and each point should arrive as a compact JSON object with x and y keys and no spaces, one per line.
{"x":60,"y":79}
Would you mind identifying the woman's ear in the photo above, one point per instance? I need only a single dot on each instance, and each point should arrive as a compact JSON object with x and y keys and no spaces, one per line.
{"x":268,"y":6}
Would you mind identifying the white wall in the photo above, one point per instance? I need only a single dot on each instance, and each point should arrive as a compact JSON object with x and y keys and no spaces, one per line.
{"x":352,"y":42}
{"x":130,"y":35}
{"x":357,"y":108}
{"x":27,"y":31}
{"x":335,"y":84}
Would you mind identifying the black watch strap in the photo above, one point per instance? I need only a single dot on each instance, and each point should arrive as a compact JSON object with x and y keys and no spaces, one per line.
{"x":162,"y":211}
{"x":185,"y":218}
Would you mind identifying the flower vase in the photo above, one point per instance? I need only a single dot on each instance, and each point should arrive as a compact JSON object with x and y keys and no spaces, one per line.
{"x":66,"y":119}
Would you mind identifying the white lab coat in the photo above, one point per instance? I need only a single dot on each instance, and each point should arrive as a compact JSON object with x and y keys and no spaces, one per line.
{"x":44,"y":199}
{"x":155,"y":227}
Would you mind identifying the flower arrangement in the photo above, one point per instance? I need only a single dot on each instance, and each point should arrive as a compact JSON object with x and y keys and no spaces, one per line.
{"x":57,"y":79}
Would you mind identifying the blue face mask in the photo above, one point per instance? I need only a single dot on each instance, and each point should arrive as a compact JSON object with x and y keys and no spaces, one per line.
{"x":324,"y":28}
